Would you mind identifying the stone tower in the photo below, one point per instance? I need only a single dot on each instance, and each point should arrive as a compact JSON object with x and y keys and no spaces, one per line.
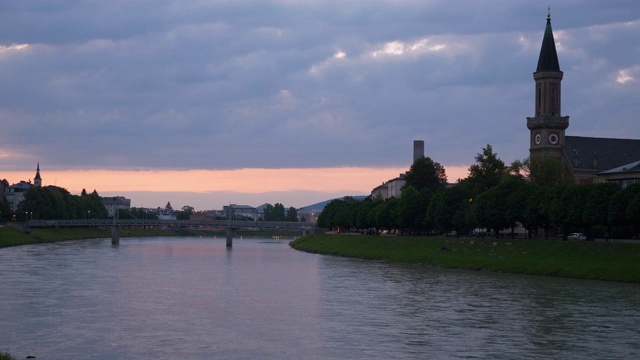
{"x":548,"y":125}
{"x":418,"y":149}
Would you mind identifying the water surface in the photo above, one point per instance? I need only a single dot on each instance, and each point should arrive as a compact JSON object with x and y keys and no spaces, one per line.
{"x":191,"y":298}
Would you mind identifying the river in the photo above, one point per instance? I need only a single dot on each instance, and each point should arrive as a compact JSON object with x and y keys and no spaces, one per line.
{"x":192,"y":298}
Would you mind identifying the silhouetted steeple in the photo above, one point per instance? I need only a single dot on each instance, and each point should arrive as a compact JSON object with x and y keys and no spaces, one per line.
{"x":37,"y":180}
{"x":548,"y":60}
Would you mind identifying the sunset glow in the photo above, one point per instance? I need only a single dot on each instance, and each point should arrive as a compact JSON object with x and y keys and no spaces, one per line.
{"x":347,"y":180}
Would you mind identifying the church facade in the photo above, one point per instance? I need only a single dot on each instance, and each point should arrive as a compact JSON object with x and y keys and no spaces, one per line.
{"x":585,"y":159}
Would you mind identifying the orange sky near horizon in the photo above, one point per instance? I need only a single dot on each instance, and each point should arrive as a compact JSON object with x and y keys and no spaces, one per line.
{"x":253,"y":181}
{"x":211,"y":189}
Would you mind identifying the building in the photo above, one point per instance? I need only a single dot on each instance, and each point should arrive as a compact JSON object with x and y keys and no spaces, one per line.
{"x":115,"y":203}
{"x":583,"y":158}
{"x":393,"y":187}
{"x":37,"y":180}
{"x":3,"y":185}
{"x":418,"y":149}
{"x":623,"y":175}
{"x":14,"y":194}
{"x":234,"y":211}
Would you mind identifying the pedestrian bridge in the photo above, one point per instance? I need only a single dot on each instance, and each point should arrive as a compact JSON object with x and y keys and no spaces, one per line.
{"x":221,"y":224}
{"x":230,"y":226}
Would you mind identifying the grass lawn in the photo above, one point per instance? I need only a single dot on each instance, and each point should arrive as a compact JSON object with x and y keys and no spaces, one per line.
{"x":13,"y":237}
{"x":587,"y":260}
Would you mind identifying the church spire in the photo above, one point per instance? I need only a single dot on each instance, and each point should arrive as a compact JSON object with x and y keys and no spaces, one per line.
{"x":37,"y":180}
{"x":548,"y":60}
{"x":548,"y":125}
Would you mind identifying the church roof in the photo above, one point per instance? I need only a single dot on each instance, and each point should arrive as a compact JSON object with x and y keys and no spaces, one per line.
{"x":548,"y":60}
{"x":600,"y":153}
{"x":633,"y":167}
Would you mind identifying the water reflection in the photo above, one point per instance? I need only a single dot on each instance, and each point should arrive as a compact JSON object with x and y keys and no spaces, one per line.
{"x":168,"y":298}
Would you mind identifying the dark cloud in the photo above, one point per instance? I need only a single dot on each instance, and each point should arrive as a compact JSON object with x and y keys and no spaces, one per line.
{"x":226,"y":84}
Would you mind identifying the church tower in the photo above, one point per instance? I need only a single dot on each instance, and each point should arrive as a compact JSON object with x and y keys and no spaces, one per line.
{"x":548,"y":125}
{"x":37,"y":180}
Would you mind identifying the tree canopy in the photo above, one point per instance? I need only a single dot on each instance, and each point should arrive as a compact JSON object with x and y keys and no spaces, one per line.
{"x":425,"y":174}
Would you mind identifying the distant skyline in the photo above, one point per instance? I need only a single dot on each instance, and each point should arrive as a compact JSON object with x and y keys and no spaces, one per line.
{"x":120,"y":90}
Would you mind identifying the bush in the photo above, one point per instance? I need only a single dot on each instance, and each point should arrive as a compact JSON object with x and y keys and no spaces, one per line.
{"x":6,"y":356}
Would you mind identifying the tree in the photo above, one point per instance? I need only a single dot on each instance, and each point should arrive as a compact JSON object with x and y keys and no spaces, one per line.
{"x":339,"y":214}
{"x":486,"y":173}
{"x":633,"y":212}
{"x":545,"y":170}
{"x":567,"y":207}
{"x":536,"y":214}
{"x":365,"y":218}
{"x":278,"y":212}
{"x":385,"y":214}
{"x":596,"y":211}
{"x":412,"y":209}
{"x":499,"y":207}
{"x":425,"y":174}
{"x":617,"y":214}
{"x":292,"y":215}
{"x":185,"y":213}
{"x":52,"y":202}
{"x":268,"y":212}
{"x":450,"y":209}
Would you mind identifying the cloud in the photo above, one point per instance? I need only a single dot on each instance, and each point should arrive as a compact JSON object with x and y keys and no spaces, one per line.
{"x":294,"y":84}
{"x":627,"y":75}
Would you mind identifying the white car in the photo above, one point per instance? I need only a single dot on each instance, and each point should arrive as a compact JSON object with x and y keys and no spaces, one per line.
{"x":577,"y":236}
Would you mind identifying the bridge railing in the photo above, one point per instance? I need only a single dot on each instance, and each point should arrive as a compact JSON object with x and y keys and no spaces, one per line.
{"x":234,"y":224}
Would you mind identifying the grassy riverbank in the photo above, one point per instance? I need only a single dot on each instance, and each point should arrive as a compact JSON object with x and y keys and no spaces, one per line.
{"x":10,"y":236}
{"x":585,"y":260}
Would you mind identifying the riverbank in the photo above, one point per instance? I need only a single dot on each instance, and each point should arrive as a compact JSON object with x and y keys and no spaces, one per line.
{"x":584,"y":260}
{"x":10,"y":236}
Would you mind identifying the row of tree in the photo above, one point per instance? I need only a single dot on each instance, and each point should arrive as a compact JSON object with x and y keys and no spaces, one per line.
{"x":277,"y":212}
{"x":533,"y":194}
{"x":52,"y":202}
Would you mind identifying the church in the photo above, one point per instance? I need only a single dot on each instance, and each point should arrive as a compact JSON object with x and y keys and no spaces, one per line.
{"x":585,"y":159}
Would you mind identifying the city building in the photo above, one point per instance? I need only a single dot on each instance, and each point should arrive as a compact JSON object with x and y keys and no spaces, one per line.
{"x":624,"y":175}
{"x":115,"y":203}
{"x":14,"y":194}
{"x":393,"y":187}
{"x":583,"y":158}
{"x":241,"y":211}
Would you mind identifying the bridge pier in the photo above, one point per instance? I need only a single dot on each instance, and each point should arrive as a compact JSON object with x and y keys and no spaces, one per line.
{"x":115,"y":235}
{"x":230,"y":234}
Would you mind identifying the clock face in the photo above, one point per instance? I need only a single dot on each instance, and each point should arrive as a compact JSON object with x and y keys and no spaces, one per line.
{"x":553,"y":139}
{"x":538,"y":139}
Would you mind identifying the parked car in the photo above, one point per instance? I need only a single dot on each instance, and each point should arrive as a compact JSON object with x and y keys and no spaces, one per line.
{"x":577,"y":236}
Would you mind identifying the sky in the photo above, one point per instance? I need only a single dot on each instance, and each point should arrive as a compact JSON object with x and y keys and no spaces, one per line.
{"x":207,"y":103}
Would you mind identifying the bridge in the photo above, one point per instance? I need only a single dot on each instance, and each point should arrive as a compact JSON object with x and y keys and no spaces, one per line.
{"x":231,"y":226}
